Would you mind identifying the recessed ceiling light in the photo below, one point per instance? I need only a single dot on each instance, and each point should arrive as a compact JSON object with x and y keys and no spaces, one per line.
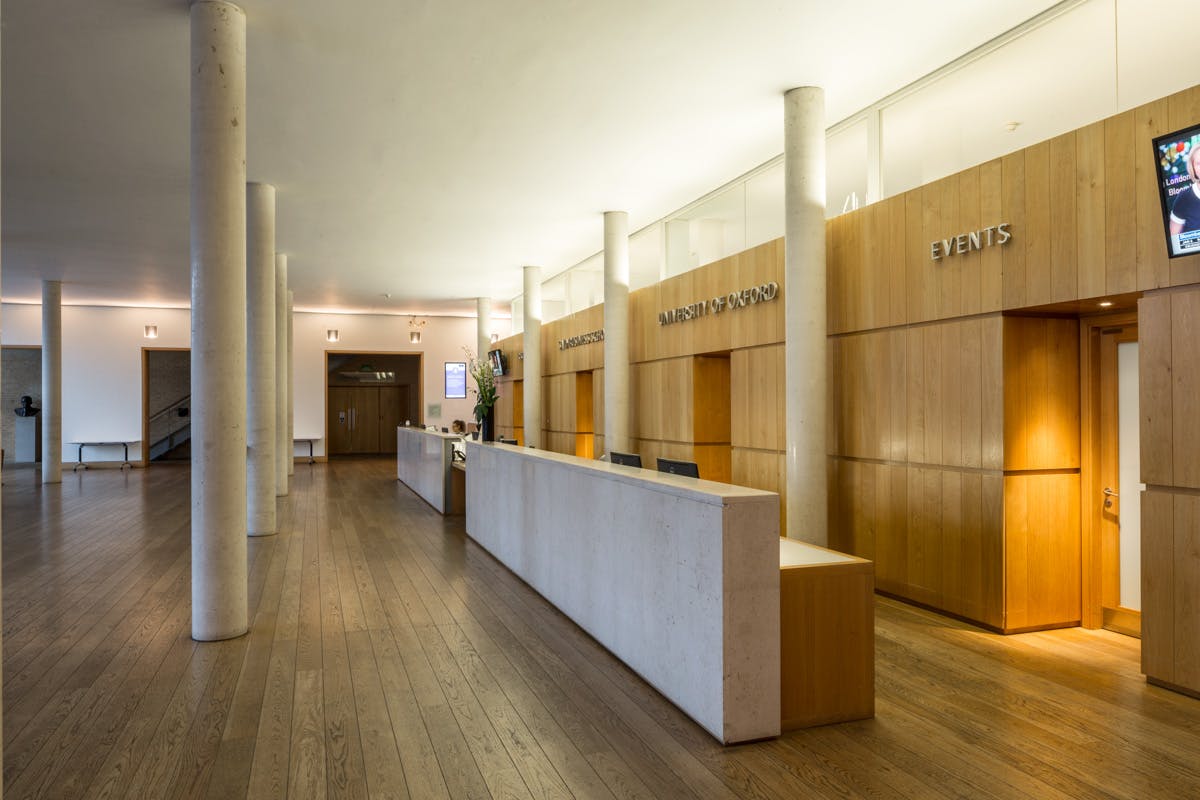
{"x":1106,"y":304}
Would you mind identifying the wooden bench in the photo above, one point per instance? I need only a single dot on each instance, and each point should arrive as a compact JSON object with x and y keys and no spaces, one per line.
{"x":79,"y":459}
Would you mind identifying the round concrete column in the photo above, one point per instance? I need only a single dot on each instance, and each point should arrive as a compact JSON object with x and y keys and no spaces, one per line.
{"x":532,"y":382}
{"x":804,"y":300}
{"x":616,"y":332}
{"x":282,"y":401}
{"x":291,"y":381}
{"x":483,"y":326}
{"x":52,"y":382}
{"x":260,"y":359}
{"x":218,"y":208}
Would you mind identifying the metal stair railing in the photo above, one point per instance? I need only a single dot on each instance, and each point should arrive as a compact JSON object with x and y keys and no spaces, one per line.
{"x":170,"y":427}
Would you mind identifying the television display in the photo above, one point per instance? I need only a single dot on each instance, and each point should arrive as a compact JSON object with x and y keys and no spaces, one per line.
{"x":1178,"y":158}
{"x":688,"y":468}
{"x":625,"y":459}
{"x":498,"y":362}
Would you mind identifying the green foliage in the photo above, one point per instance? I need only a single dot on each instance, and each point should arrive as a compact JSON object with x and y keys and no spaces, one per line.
{"x":485,"y":384}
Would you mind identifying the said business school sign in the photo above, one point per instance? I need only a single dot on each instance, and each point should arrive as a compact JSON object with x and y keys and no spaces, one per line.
{"x":746,"y":297}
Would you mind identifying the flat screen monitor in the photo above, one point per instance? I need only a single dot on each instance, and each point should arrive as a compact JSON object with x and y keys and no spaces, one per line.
{"x":688,"y":468}
{"x":499,"y":363}
{"x":1177,"y":156}
{"x":456,"y":379}
{"x":625,"y":459}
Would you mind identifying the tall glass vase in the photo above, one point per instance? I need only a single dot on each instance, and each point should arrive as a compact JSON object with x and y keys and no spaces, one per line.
{"x":487,"y":427}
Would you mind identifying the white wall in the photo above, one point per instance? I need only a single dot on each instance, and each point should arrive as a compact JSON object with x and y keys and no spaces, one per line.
{"x":442,"y":340}
{"x":102,"y":365}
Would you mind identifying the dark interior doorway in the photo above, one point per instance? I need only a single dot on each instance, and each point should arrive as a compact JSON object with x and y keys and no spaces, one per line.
{"x":368,"y":395}
{"x":22,"y":375}
{"x":166,"y":404}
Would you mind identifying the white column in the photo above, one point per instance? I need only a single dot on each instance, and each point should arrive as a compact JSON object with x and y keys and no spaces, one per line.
{"x":291,"y":401}
{"x":616,"y":332}
{"x":260,"y":359}
{"x":804,"y":299}
{"x":282,"y":401}
{"x":532,"y":383}
{"x":218,"y":209}
{"x":874,"y":155}
{"x":52,"y":382}
{"x":483,"y":326}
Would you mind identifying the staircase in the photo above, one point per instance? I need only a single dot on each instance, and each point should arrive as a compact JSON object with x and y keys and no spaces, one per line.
{"x":171,"y":429}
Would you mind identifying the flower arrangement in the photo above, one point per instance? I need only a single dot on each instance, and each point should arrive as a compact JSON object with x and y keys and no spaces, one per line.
{"x":485,"y":384}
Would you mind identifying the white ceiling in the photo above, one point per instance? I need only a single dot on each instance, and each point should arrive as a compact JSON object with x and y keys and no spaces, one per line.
{"x":423,"y":149}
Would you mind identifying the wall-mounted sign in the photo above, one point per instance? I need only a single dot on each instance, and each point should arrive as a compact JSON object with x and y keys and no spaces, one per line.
{"x":581,"y":339}
{"x":456,"y":379}
{"x":746,"y":297}
{"x":971,"y":240}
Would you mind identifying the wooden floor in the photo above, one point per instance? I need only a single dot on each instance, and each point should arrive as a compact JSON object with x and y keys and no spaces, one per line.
{"x":392,"y":657}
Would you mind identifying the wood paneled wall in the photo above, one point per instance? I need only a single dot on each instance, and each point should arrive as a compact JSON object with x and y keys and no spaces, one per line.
{"x":917,"y":440}
{"x":510,"y":406}
{"x":750,"y":326}
{"x":1042,"y":539}
{"x":1169,"y":333}
{"x":954,"y":423}
{"x":1085,"y":223}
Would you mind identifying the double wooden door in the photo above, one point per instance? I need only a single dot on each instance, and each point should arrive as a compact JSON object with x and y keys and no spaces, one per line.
{"x":363,"y":419}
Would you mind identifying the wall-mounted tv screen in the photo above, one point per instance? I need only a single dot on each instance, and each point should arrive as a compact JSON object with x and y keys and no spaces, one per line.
{"x":1178,"y":158}
{"x":498,"y":361}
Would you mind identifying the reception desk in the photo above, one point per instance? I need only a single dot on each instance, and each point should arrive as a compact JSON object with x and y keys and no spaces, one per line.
{"x":677,"y":577}
{"x":423,"y":460}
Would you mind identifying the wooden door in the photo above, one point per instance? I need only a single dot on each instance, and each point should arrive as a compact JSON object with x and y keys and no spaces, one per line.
{"x":1112,"y":498}
{"x":364,"y":419}
{"x":392,"y":413}
{"x":340,"y":414}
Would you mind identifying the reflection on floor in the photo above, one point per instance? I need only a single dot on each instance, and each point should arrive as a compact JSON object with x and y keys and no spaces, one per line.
{"x":390,"y":657}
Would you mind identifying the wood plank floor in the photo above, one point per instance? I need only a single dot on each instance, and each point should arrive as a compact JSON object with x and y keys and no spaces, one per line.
{"x":391,"y":657}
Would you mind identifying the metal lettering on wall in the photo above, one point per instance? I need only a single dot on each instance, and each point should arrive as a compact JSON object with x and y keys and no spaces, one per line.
{"x":746,"y":297}
{"x":581,"y":339}
{"x":971,"y":240}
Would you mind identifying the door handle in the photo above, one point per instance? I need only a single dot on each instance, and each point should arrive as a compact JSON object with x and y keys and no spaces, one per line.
{"x":1109,"y":494}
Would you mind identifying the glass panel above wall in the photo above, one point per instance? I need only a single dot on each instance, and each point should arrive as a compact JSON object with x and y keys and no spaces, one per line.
{"x":518,"y":314}
{"x":711,"y":230}
{"x":585,"y":284}
{"x":554,"y":297}
{"x":1146,"y":31}
{"x":647,"y":253}
{"x":764,"y":205}
{"x":999,"y":103}
{"x":845,"y":170}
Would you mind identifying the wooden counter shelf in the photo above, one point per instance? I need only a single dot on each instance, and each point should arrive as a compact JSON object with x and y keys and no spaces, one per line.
{"x":827,"y":636}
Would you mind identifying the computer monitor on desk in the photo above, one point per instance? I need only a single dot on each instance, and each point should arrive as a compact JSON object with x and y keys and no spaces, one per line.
{"x":688,"y":468}
{"x":625,"y":459}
